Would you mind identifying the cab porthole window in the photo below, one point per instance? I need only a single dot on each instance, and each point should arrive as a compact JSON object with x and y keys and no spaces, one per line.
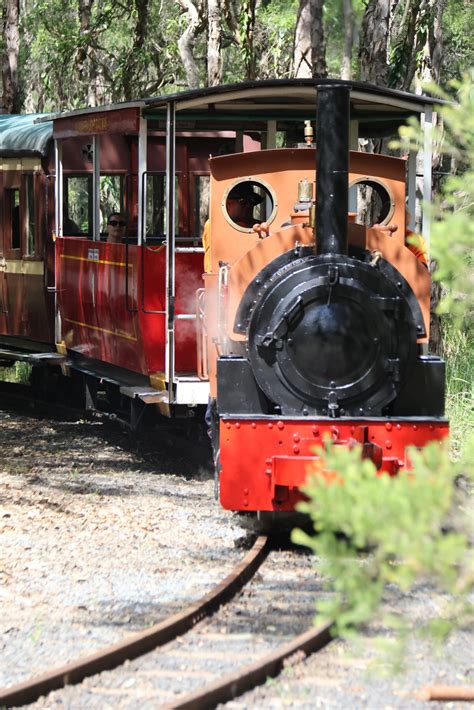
{"x":370,"y":201}
{"x":247,"y":202}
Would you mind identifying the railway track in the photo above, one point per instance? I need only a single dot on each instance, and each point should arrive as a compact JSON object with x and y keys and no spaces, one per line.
{"x":197,"y":656}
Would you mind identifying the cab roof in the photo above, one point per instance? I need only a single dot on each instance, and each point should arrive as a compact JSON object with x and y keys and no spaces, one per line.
{"x":253,"y":103}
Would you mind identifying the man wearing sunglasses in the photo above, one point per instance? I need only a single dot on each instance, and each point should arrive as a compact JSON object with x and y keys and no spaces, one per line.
{"x":240,"y":204}
{"x":116,"y":228}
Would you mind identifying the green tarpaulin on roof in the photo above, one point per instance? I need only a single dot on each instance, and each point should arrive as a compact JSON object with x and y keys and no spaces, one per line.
{"x":19,"y":135}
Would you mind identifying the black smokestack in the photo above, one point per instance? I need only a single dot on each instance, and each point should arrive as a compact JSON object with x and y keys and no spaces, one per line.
{"x":332,"y":168}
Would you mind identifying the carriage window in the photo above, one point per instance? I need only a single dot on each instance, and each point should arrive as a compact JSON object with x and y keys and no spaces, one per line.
{"x":155,"y":205}
{"x":30,"y":215}
{"x":77,"y":217}
{"x":201,"y":203}
{"x":371,"y":202}
{"x":111,"y":197}
{"x":248,"y":202}
{"x":13,"y":207}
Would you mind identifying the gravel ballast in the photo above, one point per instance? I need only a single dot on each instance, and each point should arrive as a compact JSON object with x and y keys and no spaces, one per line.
{"x":97,"y":541}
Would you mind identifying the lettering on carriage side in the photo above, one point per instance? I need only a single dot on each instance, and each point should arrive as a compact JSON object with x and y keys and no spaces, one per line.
{"x":91,"y":125}
{"x":93,"y":254}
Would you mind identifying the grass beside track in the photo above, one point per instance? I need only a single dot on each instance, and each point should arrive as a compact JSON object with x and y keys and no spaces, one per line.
{"x":458,"y":352}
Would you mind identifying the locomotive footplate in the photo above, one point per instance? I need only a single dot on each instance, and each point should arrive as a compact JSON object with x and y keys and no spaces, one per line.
{"x":265,"y":462}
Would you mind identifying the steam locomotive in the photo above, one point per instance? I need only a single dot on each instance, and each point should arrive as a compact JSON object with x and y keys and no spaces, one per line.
{"x":313,"y":318}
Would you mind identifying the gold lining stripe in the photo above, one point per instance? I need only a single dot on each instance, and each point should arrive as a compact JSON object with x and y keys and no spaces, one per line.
{"x":95,"y":261}
{"x":158,"y":380}
{"x":102,"y":330}
{"x":19,"y":266}
{"x":17,"y":164}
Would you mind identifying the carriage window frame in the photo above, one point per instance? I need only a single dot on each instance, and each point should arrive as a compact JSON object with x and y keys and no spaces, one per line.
{"x":121,"y":176}
{"x":367,"y":179}
{"x":30,"y":246}
{"x":120,"y":207}
{"x":10,"y":203}
{"x":76,"y":176}
{"x":258,"y":181}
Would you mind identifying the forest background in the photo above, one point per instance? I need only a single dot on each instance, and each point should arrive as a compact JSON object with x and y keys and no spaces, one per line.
{"x":63,"y":54}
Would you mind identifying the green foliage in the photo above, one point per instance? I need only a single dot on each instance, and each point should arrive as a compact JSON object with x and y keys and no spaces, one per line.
{"x":452,"y":234}
{"x":378,"y":530}
{"x":274,"y":31}
{"x":458,"y":21}
{"x":458,"y":345}
{"x":402,"y":48}
{"x":452,"y":238}
{"x":19,"y":372}
{"x":105,"y":59}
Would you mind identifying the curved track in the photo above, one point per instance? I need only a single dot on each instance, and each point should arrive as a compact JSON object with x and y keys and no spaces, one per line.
{"x":143,"y":642}
{"x":250,"y":676}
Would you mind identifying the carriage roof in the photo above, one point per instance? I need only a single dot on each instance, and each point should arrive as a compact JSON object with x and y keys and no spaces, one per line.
{"x":24,"y":136}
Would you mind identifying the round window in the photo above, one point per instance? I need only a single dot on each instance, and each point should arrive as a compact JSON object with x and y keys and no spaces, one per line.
{"x":248,"y":202}
{"x":371,"y":201}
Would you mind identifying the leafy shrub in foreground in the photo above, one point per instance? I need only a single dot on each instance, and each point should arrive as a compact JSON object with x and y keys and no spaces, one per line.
{"x":375,"y":530}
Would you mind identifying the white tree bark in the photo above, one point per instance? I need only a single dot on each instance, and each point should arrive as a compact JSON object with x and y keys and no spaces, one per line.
{"x":346,"y":70}
{"x":309,"y":52}
{"x":11,"y":33}
{"x":214,"y":39}
{"x":187,"y":40}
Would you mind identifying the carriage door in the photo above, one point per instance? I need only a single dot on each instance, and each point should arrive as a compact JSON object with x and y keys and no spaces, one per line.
{"x":9,"y":243}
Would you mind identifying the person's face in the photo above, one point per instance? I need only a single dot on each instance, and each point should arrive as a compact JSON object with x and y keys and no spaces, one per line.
{"x":240,"y":209}
{"x":116,"y":227}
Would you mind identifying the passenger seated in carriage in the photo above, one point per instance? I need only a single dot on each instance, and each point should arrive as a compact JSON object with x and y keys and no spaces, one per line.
{"x":116,"y":228}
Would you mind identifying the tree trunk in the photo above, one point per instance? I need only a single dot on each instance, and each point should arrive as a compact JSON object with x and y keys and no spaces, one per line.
{"x":84,"y":12}
{"x":11,"y":33}
{"x":131,"y":80}
{"x":373,"y":44}
{"x":346,"y":70}
{"x":433,"y":48}
{"x":309,"y":51}
{"x":214,"y":60}
{"x":187,"y":40}
{"x":247,"y":24}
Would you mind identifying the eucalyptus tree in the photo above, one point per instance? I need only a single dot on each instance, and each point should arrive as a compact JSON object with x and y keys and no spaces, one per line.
{"x":309,"y":50}
{"x":11,"y":102}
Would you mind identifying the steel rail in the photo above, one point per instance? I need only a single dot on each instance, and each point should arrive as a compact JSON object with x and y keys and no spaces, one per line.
{"x":447,"y":693}
{"x":269,"y":666}
{"x":142,"y":642}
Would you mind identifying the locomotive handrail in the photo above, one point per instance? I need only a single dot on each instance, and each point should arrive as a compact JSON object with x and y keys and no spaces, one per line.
{"x":201,"y":335}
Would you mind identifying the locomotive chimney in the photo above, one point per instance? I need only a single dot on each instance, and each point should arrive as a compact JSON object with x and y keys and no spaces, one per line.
{"x":332,"y":168}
